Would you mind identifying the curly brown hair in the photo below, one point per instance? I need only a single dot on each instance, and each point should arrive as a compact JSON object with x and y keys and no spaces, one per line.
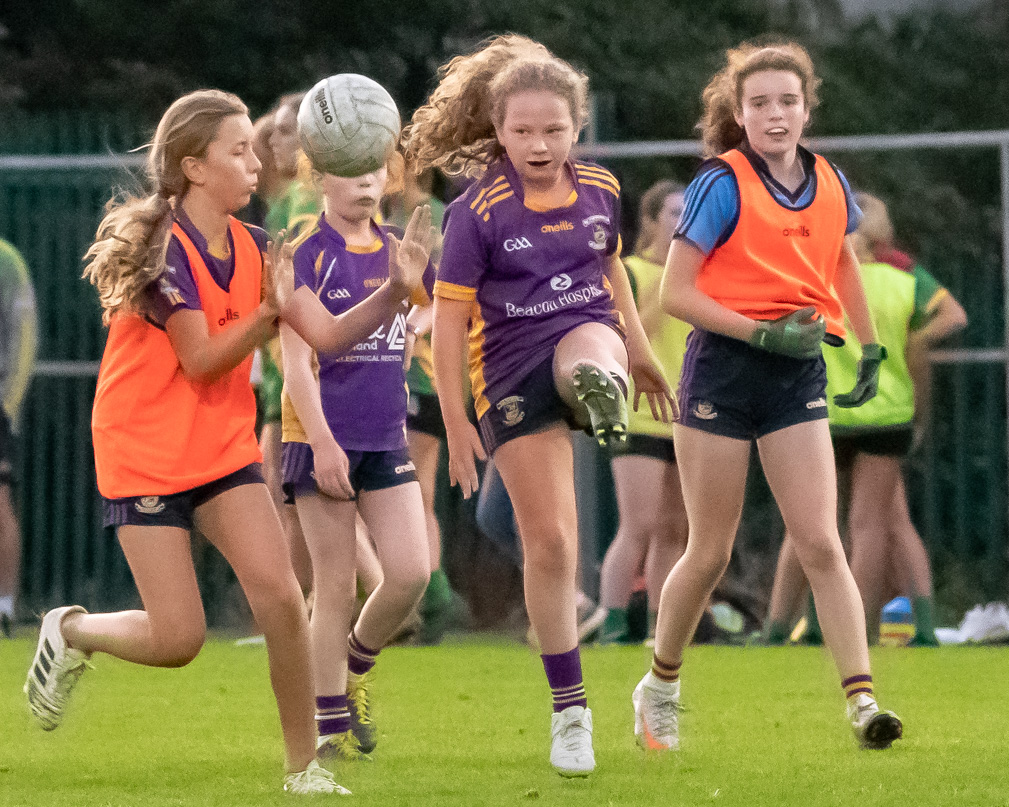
{"x":722,"y":98}
{"x":455,"y":131}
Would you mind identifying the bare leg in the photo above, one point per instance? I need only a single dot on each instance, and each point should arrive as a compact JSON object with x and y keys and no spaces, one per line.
{"x":424,"y":450}
{"x":799,"y":465}
{"x":331,"y":535}
{"x":369,"y":569}
{"x":538,"y":472}
{"x":272,"y":447}
{"x":669,"y":540}
{"x":713,"y":474}
{"x":910,"y":555}
{"x":873,"y":487}
{"x":641,"y":500}
{"x":789,"y":590}
{"x":169,"y":632}
{"x":10,"y":546}
{"x":243,"y":525}
{"x":592,"y":341}
{"x":395,"y":519}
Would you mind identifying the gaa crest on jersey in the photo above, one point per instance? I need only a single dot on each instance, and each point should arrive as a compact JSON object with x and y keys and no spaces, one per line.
{"x":149,"y":505}
{"x":511,"y":410}
{"x":598,"y":231}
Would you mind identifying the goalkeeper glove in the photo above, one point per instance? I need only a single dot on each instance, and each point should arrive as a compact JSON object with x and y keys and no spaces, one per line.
{"x":797,"y":334}
{"x":867,"y":378}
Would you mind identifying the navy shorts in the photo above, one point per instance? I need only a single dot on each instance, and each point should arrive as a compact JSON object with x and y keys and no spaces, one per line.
{"x":6,"y":450}
{"x":369,"y":470}
{"x":730,"y":388}
{"x":647,"y":445}
{"x":175,"y":509}
{"x":882,"y":442}
{"x":531,"y":405}
{"x":423,"y":414}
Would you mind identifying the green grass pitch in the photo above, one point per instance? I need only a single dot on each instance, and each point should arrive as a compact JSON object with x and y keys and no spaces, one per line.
{"x":467,"y":723}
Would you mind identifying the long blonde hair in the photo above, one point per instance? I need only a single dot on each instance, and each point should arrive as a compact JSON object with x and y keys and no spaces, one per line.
{"x":723,"y":96}
{"x":129,"y":249}
{"x":454,"y":130}
{"x":875,"y":231}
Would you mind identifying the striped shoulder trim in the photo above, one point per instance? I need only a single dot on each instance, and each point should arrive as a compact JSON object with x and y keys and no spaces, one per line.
{"x":490,"y":201}
{"x":707,"y":175}
{"x":598,"y":176}
{"x":495,"y":187}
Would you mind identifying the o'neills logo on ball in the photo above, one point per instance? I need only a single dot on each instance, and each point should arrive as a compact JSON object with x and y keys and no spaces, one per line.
{"x":323,"y":104}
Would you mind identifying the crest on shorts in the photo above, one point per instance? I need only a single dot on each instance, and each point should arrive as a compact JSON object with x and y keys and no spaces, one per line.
{"x":705,"y":410}
{"x":511,"y":409}
{"x":149,"y":505}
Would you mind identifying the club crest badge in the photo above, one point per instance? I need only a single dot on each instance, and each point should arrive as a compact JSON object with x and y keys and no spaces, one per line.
{"x":511,"y":410}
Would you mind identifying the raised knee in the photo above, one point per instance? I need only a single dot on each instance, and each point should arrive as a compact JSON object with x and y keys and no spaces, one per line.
{"x":181,"y":647}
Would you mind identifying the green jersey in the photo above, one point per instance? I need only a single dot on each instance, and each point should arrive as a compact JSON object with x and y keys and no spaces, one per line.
{"x":18,"y":329}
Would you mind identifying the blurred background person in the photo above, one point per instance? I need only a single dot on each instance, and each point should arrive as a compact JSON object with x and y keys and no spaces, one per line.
{"x":653,"y":520}
{"x":912,"y":312}
{"x":18,"y":344}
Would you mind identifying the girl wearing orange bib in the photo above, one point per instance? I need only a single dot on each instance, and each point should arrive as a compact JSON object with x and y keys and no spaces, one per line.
{"x":761,"y":267}
{"x":181,"y":282}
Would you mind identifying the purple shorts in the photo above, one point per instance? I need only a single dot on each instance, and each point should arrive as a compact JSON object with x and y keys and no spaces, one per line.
{"x":730,"y":388}
{"x":175,"y":509}
{"x":369,"y":470}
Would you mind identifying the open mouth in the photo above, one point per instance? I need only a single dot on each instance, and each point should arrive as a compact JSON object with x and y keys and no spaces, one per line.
{"x":777,"y":131}
{"x":539,"y":163}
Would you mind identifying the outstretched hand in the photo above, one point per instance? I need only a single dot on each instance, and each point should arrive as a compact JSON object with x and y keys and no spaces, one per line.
{"x":278,"y":272}
{"x":409,"y":258}
{"x":650,"y":382}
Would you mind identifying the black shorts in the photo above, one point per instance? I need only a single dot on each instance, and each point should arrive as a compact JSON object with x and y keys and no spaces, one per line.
{"x":423,"y":414}
{"x":531,"y":405}
{"x":648,"y":445}
{"x":175,"y":509}
{"x":369,"y":470}
{"x":730,"y":388}
{"x":6,"y":450}
{"x":883,"y":442}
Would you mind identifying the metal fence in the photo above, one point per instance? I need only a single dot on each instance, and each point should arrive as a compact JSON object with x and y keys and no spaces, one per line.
{"x":50,"y":204}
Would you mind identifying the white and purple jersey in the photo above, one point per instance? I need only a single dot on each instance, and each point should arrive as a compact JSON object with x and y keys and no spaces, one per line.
{"x":532,"y":275}
{"x":176,"y":288}
{"x":363,"y":391}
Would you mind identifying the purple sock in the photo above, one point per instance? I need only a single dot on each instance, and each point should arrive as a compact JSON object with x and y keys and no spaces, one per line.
{"x":564,"y":674}
{"x":331,"y":714}
{"x":360,"y":659}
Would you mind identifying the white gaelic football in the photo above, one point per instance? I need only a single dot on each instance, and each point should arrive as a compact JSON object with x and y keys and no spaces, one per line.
{"x":348,"y":124}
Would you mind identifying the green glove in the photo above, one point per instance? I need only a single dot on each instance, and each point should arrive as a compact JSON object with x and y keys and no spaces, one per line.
{"x":867,"y":378}
{"x":797,"y":334}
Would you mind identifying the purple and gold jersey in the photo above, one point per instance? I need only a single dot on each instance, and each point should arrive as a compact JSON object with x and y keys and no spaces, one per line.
{"x":532,"y":275}
{"x":363,"y":391}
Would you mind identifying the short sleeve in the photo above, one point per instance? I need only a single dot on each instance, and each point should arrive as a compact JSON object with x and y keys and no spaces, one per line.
{"x":927,"y":294}
{"x":854,"y":211}
{"x":710,"y":207}
{"x":176,"y":289}
{"x":305,"y":259}
{"x":464,"y":256}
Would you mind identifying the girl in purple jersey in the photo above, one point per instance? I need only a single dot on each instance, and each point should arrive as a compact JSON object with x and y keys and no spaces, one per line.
{"x":531,"y":271}
{"x":761,"y":294}
{"x":345,"y":453}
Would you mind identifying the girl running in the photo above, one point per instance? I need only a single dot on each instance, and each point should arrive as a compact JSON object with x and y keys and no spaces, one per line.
{"x":531,"y":271}
{"x":653,"y":522}
{"x":761,"y":267}
{"x":345,"y":453}
{"x":182,"y":285}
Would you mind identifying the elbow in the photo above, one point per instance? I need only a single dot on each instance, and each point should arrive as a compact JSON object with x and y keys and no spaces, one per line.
{"x":197,"y":371}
